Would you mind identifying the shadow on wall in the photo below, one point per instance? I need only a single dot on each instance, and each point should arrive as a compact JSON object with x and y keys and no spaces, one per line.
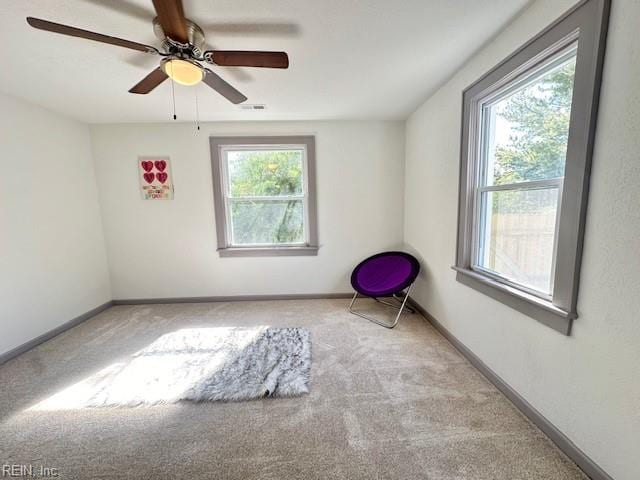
{"x":425,"y":274}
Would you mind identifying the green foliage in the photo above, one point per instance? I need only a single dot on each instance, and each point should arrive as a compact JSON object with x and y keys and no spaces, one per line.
{"x":259,"y":222}
{"x":260,"y":173}
{"x":539,"y":118}
{"x":266,"y":173}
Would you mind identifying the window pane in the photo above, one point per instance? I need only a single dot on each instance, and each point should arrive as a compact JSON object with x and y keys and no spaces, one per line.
{"x":527,"y":131}
{"x":267,"y":222}
{"x":517,"y":235}
{"x":265,"y":173}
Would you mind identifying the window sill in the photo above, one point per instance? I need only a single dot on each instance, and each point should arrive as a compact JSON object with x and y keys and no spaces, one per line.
{"x":268,"y":251}
{"x":537,"y":308}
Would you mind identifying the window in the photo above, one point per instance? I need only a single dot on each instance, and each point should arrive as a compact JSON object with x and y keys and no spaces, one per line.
{"x":264,"y":192}
{"x":523,"y":135}
{"x":528,"y":130}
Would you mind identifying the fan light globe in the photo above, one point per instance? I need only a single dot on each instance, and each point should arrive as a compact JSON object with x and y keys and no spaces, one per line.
{"x":183,"y":72}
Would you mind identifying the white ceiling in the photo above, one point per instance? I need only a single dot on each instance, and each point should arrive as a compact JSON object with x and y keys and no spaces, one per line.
{"x":350,"y":59}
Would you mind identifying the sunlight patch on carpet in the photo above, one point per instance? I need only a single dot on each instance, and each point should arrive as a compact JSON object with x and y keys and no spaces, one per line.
{"x":199,"y":364}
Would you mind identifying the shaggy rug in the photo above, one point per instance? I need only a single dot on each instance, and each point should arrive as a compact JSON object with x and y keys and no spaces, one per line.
{"x":200,"y":364}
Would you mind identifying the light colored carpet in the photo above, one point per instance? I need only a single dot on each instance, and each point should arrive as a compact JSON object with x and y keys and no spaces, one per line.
{"x":383,"y":404}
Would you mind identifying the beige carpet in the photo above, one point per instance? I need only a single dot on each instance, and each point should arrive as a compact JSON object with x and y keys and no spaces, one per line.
{"x":384,"y":404}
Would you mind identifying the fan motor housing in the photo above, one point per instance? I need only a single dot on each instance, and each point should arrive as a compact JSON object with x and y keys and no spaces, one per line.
{"x":194,"y":33}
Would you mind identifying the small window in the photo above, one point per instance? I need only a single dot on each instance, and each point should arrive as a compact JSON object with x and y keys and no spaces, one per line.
{"x":525,"y":168}
{"x":264,"y":190}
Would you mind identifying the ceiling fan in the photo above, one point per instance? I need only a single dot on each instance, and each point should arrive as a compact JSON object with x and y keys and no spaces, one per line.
{"x":181,"y":51}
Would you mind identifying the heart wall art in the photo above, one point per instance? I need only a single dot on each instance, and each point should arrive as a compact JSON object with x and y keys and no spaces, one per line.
{"x":154,"y":174}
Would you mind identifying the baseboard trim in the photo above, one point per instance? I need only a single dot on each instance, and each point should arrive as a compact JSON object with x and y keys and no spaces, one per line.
{"x":5,"y":357}
{"x":25,"y":347}
{"x":231,"y":298}
{"x":586,"y":464}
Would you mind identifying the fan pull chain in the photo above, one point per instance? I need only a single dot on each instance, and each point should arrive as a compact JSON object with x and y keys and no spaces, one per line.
{"x":197,"y":111}
{"x":173,"y":93}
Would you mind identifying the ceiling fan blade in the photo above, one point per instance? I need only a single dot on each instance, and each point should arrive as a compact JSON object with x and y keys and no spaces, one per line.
{"x":171,"y":19}
{"x":239,"y":58}
{"x":151,"y":81}
{"x":98,"y":37}
{"x":222,"y":87}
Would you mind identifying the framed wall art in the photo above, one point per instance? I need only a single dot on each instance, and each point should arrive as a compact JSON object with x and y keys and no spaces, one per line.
{"x":154,"y":174}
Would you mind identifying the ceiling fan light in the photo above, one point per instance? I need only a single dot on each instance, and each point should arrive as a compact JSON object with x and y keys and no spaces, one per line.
{"x":183,"y":72}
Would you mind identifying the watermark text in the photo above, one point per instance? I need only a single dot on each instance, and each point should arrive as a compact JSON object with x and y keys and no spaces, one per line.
{"x":15,"y":470}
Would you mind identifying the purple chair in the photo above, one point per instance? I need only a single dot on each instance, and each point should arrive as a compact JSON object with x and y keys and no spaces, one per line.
{"x":385,"y":274}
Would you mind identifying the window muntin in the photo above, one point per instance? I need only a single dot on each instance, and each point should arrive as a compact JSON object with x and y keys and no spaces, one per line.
{"x":523,"y":130}
{"x":265,"y":190}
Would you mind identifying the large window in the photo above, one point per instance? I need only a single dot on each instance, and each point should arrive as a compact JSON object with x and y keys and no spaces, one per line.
{"x":264,"y":195}
{"x":523,"y":132}
{"x":528,"y":129}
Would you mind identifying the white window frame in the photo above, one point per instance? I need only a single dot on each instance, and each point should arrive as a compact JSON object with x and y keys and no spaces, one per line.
{"x":220,"y":147}
{"x":586,"y":24}
{"x":531,"y":72}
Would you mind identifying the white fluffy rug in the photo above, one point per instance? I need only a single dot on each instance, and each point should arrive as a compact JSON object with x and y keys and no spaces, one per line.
{"x":200,"y":364}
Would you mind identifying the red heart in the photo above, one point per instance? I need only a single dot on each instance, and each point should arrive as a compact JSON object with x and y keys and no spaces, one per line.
{"x":162,"y":177}
{"x":147,"y":165}
{"x":161,"y":165}
{"x":149,"y":177}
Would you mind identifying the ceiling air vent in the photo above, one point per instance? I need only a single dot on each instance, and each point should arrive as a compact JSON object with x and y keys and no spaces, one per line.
{"x":253,"y":107}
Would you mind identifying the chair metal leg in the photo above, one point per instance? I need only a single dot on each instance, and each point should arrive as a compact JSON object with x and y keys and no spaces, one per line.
{"x":400,"y":308}
{"x":398,"y":305}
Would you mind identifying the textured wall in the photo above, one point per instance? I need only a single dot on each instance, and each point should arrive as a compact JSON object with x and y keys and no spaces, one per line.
{"x":168,"y":249}
{"x":52,"y":257}
{"x":586,"y":384}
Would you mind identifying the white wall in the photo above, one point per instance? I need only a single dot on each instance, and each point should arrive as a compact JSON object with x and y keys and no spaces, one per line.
{"x":586,"y":384}
{"x":53,"y":263}
{"x":168,"y":248}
